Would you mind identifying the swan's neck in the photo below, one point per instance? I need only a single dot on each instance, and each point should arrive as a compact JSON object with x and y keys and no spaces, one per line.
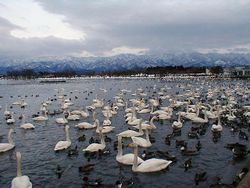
{"x":135,"y":163}
{"x":102,"y":139}
{"x":179,"y":117}
{"x":140,"y":127}
{"x":205,"y":118}
{"x":19,"y":164}
{"x":198,"y":111}
{"x":10,"y":139}
{"x":147,"y":136}
{"x":152,"y":121}
{"x":152,"y":109}
{"x":94,"y":115}
{"x":219,"y":121}
{"x":97,"y":124}
{"x":23,"y":120}
{"x":67,"y":134}
{"x":119,"y":146}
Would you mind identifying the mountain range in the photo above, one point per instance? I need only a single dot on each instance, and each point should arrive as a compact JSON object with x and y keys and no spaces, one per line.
{"x":122,"y":62}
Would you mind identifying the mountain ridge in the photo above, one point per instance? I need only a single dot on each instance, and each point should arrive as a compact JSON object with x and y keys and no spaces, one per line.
{"x":123,"y":62}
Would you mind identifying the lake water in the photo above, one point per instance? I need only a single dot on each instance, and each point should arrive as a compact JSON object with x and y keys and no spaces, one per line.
{"x":39,"y":161}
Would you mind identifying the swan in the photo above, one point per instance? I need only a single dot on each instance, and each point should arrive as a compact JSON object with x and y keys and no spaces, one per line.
{"x":126,"y":159}
{"x":107,"y":121}
{"x":197,"y":119}
{"x":8,"y":146}
{"x":6,"y":112}
{"x":217,"y":127}
{"x":41,"y":118}
{"x":20,"y":181}
{"x":150,"y":165}
{"x":86,"y":125}
{"x":26,"y":125}
{"x":130,"y":133}
{"x":61,"y":121}
{"x":177,"y":124}
{"x":94,"y":147}
{"x":105,"y":129}
{"x":142,"y":142}
{"x":151,"y":124}
{"x":64,"y":144}
{"x":73,"y":117}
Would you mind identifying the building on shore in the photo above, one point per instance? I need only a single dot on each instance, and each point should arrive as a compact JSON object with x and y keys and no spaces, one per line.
{"x":237,"y":72}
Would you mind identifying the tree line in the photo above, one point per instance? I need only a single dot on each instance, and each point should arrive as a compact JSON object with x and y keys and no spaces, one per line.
{"x":30,"y":74}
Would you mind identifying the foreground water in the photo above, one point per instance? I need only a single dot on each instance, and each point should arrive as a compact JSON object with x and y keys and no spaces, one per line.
{"x":40,"y":161}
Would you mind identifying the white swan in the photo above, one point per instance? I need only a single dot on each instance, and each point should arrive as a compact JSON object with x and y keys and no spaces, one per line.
{"x":107,"y":121}
{"x":41,"y":118}
{"x":20,"y":181}
{"x":142,"y":142}
{"x":26,"y":125}
{"x":177,"y":124}
{"x":86,"y":125}
{"x":64,"y":144}
{"x":130,"y":133}
{"x":6,"y":112}
{"x":73,"y":117}
{"x":127,"y":159}
{"x":61,"y":121}
{"x":145,"y":125}
{"x":217,"y":127}
{"x":8,"y":146}
{"x":94,"y":147}
{"x":150,"y":165}
{"x":105,"y":129}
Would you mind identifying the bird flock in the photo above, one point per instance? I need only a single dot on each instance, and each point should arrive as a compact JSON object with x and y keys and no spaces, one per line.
{"x":130,"y":122}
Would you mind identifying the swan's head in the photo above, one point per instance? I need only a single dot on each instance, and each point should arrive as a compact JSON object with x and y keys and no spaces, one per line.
{"x":66,"y":127}
{"x":18,"y":155}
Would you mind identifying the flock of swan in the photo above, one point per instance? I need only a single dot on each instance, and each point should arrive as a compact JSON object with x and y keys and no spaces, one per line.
{"x":141,"y":110}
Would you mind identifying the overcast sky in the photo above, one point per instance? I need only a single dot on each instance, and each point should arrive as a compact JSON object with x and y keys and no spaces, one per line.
{"x":109,"y":27}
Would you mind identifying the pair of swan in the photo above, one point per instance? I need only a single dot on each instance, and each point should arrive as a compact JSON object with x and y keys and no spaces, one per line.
{"x":20,"y":181}
{"x":150,"y":165}
{"x":8,"y":146}
{"x":94,"y":147}
{"x":64,"y":144}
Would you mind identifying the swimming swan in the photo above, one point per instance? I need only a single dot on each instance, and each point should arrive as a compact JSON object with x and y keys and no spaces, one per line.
{"x":64,"y":144}
{"x":127,"y":159}
{"x":150,"y":165}
{"x":26,"y":125}
{"x":20,"y":181}
{"x":8,"y":146}
{"x":142,"y":142}
{"x":94,"y":147}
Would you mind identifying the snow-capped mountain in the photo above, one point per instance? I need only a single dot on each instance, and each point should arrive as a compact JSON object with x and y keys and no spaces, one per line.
{"x":122,"y":62}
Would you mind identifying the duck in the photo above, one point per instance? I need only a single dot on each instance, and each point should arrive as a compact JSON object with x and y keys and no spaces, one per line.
{"x":20,"y":181}
{"x":73,"y":152}
{"x":86,"y":168}
{"x":95,"y":147}
{"x":8,"y":146}
{"x":150,"y":165}
{"x":61,"y":145}
{"x":10,"y":119}
{"x":200,"y":176}
{"x":26,"y":125}
{"x":127,"y":159}
{"x":188,"y":164}
{"x":142,"y":142}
